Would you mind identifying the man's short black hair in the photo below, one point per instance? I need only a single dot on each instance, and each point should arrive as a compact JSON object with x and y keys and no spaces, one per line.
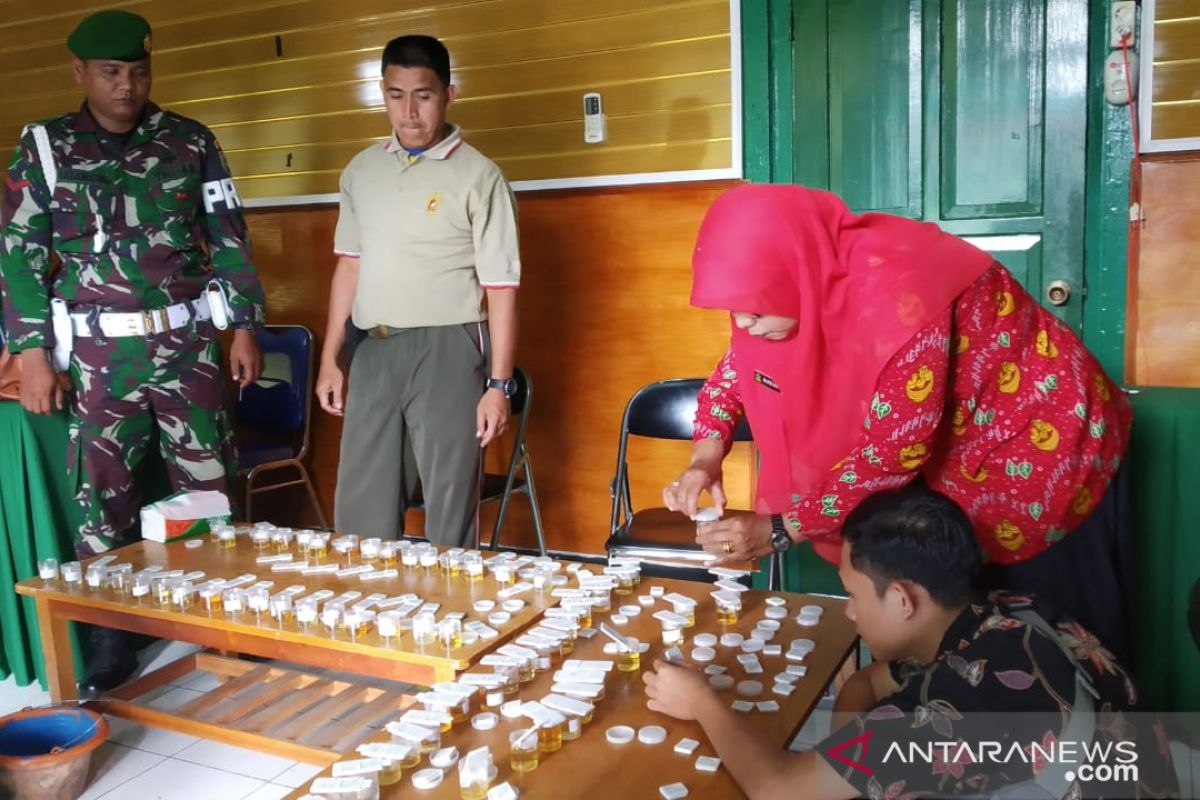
{"x":417,"y":51}
{"x":915,"y":534}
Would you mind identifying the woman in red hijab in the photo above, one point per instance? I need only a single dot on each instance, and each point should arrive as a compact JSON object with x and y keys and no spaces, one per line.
{"x":870,"y":351}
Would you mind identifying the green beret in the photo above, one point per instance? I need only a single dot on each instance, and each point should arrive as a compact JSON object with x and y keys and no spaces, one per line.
{"x":111,"y":36}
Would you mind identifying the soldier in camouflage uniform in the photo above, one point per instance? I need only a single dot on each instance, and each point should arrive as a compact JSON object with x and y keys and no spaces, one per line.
{"x":139,"y":207}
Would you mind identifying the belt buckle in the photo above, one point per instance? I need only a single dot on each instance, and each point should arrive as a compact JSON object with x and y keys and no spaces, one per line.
{"x":380,"y":332}
{"x":156,"y":321}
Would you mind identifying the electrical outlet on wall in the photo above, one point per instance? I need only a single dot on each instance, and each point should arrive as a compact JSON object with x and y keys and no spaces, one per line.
{"x":1123,"y":24}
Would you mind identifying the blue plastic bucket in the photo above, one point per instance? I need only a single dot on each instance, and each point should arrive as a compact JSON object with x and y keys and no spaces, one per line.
{"x":45,"y":753}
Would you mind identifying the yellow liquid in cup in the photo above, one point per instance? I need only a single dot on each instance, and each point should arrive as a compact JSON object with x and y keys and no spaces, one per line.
{"x":727,"y":615}
{"x":391,"y":772}
{"x":476,"y":790}
{"x":629,"y":661}
{"x":550,"y":739}
{"x":523,"y":760}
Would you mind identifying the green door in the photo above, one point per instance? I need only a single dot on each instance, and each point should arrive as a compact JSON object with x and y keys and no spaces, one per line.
{"x":968,"y":113}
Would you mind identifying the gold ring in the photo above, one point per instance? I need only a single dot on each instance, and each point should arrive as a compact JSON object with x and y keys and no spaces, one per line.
{"x":727,"y":547}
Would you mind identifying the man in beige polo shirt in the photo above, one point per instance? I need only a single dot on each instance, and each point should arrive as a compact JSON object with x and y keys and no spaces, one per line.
{"x":426,"y":228}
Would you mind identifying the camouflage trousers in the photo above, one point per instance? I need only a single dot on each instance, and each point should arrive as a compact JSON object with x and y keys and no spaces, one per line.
{"x":124,"y":389}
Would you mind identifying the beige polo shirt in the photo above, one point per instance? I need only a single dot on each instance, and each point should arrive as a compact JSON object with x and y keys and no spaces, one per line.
{"x":431,"y":232}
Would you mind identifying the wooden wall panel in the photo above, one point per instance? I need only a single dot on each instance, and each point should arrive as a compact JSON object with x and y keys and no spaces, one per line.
{"x":299,"y":78}
{"x":1176,"y":98}
{"x":1163,"y":345}
{"x":603,"y":310}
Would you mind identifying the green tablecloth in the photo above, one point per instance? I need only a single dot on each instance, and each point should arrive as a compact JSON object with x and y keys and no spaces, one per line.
{"x":1165,"y":459}
{"x":37,"y":517}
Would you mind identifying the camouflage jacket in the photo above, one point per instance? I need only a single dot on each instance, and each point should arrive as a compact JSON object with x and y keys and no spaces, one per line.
{"x":140,"y":223}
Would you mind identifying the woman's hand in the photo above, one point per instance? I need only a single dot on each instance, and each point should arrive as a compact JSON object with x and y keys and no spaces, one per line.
{"x":702,"y":475}
{"x":741,"y":537}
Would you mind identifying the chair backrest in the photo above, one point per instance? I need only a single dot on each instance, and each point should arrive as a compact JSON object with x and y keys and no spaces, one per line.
{"x":667,"y":410}
{"x":519,"y":404}
{"x":662,"y":410}
{"x":279,"y":401}
{"x":524,"y":391}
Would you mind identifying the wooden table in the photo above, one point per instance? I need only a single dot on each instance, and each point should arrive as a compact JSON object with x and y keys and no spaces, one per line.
{"x":402,"y":661}
{"x":591,"y":767}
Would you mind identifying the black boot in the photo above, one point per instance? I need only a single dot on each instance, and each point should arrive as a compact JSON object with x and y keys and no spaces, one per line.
{"x":114,"y":660}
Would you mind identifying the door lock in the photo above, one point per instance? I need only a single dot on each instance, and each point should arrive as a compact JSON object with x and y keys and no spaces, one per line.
{"x":1058,"y":293}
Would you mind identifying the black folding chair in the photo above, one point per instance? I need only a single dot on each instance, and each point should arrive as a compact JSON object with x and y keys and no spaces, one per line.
{"x":518,"y":479}
{"x":657,"y":535}
{"x":273,"y":416}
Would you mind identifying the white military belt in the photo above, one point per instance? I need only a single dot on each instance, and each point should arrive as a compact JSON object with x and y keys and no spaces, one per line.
{"x":143,"y":323}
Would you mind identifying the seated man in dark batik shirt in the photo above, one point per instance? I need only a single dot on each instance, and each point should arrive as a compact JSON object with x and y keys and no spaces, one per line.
{"x":968,"y":697}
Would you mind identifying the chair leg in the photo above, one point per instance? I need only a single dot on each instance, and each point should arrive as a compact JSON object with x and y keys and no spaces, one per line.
{"x":775,"y":573}
{"x":508,"y":487}
{"x":249,"y":496}
{"x":312,"y":495}
{"x":534,"y":507}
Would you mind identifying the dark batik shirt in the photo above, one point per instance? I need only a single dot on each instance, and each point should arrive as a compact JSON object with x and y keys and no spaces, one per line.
{"x":1000,"y":682}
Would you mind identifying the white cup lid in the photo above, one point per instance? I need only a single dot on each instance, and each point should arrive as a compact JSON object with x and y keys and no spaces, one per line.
{"x":703,"y":654}
{"x":484,"y":722}
{"x":619,"y":734}
{"x":443,"y":759}
{"x":705,"y":640}
{"x":427,"y":779}
{"x":721,"y":682}
{"x":749,"y":689}
{"x":652,"y":734}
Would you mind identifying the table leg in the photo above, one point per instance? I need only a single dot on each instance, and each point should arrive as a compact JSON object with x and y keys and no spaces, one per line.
{"x":55,"y":634}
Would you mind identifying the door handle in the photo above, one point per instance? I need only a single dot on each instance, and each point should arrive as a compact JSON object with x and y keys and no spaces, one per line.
{"x":1058,"y":293}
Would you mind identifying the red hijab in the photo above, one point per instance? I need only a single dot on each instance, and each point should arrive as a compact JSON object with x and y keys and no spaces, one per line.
{"x":859,"y":286}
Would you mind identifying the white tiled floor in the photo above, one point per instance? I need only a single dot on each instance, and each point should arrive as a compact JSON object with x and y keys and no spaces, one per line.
{"x":143,"y":763}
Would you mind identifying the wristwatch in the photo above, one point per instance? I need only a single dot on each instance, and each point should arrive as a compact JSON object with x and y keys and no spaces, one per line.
{"x":508,"y":387}
{"x":781,"y":542}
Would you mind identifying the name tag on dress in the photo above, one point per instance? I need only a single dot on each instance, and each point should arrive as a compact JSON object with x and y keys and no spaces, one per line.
{"x":766,"y":381}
